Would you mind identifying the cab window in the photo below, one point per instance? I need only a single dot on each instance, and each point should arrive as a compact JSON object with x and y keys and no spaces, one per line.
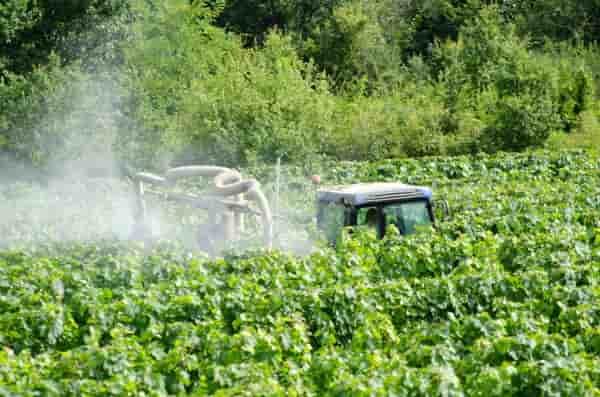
{"x":366,"y":216}
{"x":331,"y":219}
{"x":408,"y":216}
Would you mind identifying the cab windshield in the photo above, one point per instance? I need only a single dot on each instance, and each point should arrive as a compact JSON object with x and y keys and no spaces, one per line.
{"x":407,"y":216}
{"x":331,"y":219}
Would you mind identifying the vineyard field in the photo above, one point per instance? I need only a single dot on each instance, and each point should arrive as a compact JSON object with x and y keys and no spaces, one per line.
{"x":502,"y":299}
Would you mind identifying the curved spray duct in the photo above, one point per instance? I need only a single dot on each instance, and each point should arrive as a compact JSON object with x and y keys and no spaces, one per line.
{"x":227,"y":183}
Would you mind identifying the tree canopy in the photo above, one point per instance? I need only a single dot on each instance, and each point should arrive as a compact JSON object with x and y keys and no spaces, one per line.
{"x":242,"y":81}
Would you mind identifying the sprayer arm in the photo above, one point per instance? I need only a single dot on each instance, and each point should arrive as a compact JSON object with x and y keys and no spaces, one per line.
{"x":227,"y":182}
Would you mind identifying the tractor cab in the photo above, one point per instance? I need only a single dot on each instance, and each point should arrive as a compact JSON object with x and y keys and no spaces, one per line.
{"x":374,"y":205}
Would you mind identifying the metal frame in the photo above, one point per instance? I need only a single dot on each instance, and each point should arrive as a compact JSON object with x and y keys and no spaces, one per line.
{"x":227,"y":183}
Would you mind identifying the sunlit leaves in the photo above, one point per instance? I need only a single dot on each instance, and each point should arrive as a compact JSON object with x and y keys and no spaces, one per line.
{"x":501,"y":299}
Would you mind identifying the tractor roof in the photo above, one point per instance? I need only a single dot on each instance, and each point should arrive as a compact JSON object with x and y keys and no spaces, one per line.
{"x":371,"y":193}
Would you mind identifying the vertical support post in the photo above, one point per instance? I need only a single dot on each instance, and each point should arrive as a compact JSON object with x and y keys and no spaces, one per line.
{"x":141,"y":228}
{"x":238,"y":216}
{"x":141,"y":215}
{"x":277,"y":191}
{"x":228,"y":225}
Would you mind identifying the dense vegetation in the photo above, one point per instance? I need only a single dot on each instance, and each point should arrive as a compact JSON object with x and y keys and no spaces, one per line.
{"x":502,"y":300}
{"x":243,"y":81}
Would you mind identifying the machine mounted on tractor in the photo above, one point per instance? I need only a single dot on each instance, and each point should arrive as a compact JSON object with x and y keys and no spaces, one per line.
{"x":232,"y":199}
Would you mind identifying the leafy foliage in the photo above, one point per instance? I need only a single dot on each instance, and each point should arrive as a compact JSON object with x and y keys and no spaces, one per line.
{"x":520,"y":96}
{"x":240,"y":82}
{"x":33,"y":31}
{"x":499,"y":300}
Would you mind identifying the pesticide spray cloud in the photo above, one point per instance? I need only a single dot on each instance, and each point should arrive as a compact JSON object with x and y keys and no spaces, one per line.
{"x":83,"y":196}
{"x":79,"y":197}
{"x":293,"y":196}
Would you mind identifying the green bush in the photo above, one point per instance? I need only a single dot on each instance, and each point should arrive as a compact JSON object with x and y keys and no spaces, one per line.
{"x":265,"y":104}
{"x":517,"y":122}
{"x":31,"y":31}
{"x":557,"y":20}
{"x":352,"y":48}
{"x":420,"y":124}
{"x":518,"y":96}
{"x":59,"y":115}
{"x":201,"y":96}
{"x":576,"y":92}
{"x":405,"y":122}
{"x":240,"y":82}
{"x":24,"y":103}
{"x":53,"y":63}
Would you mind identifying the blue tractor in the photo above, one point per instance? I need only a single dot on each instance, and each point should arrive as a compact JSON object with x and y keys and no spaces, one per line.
{"x":375,"y":205}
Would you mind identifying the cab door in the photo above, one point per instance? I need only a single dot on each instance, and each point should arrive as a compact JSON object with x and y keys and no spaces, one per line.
{"x":369,"y":218}
{"x":408,"y":216}
{"x":331,"y":219}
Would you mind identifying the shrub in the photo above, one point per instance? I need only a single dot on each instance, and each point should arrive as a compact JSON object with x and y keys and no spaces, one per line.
{"x":519,"y":96}
{"x":58,"y":115}
{"x":576,"y":92}
{"x":31,"y":32}
{"x":201,"y":96}
{"x":518,"y":122}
